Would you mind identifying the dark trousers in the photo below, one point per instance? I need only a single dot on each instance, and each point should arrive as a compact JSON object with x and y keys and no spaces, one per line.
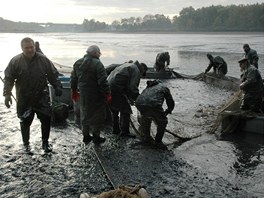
{"x":149,"y":114}
{"x":25,"y":124}
{"x":252,"y":101}
{"x":120,"y":124}
{"x":120,"y":107}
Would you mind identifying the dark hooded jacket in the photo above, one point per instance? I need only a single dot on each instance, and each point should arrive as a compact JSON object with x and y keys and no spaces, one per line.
{"x":30,"y":79}
{"x":89,"y":76}
{"x":154,"y":95}
{"x":252,"y":57}
{"x":218,"y":63}
{"x":161,"y":59}
{"x":124,"y":81}
{"x":252,"y":80}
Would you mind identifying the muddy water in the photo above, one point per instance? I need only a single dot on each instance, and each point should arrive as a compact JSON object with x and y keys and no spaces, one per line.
{"x":206,"y":166}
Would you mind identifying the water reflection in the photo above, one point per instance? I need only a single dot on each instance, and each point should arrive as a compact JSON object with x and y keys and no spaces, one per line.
{"x":249,"y":150}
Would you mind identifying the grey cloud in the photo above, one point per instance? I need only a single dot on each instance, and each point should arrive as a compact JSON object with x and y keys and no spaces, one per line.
{"x":139,"y":8}
{"x":163,"y":4}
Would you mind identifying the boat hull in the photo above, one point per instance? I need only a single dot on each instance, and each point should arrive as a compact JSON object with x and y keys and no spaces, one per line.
{"x":235,"y":119}
{"x":152,"y":74}
{"x":226,"y":82}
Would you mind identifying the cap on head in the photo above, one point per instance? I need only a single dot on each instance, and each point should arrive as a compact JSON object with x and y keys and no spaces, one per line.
{"x":242,"y":60}
{"x":93,"y":49}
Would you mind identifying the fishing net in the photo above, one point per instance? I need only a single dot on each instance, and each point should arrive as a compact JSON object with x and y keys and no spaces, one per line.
{"x":232,"y":105}
{"x":231,"y":116}
{"x":121,"y":192}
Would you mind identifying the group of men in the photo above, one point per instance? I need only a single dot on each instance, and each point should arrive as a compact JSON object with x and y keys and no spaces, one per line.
{"x":251,"y":80}
{"x":106,"y":96}
{"x":219,"y":65}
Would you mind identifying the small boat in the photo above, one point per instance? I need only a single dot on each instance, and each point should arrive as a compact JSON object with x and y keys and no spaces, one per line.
{"x":151,"y":73}
{"x":224,"y":82}
{"x":165,"y":74}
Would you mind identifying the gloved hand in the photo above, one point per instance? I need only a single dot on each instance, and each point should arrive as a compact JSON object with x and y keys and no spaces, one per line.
{"x":75,"y":95}
{"x":167,"y":112}
{"x":8,"y":101}
{"x":108,"y":98}
{"x":58,"y":91}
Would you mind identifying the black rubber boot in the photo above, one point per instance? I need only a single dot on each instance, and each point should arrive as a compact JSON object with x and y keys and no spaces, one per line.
{"x":27,"y":147}
{"x":87,"y":138}
{"x":25,"y":129}
{"x":160,"y":133}
{"x":116,"y":128}
{"x":115,"y":118}
{"x":97,"y":139}
{"x":46,"y":146}
{"x":145,"y":129}
{"x":158,"y":139}
{"x":124,"y":125}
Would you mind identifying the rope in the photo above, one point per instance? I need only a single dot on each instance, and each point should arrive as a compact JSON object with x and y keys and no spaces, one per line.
{"x":104,"y":170}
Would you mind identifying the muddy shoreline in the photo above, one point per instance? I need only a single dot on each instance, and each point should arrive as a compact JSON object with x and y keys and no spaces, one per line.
{"x":200,"y":167}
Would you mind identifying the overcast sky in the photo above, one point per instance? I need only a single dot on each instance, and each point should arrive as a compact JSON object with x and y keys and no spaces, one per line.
{"x":75,"y":11}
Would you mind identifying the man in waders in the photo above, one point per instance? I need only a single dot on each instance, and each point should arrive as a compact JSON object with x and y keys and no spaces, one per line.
{"x":29,"y":72}
{"x":89,"y":76}
{"x":124,"y":81}
{"x":149,"y":103}
{"x":251,"y":85}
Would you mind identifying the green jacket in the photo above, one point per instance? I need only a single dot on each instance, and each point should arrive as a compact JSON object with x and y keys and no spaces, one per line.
{"x":89,"y":76}
{"x":252,"y":80}
{"x":252,"y":57}
{"x":30,"y":79}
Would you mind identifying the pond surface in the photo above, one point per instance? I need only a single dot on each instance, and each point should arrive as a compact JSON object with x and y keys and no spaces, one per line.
{"x":210,"y":165}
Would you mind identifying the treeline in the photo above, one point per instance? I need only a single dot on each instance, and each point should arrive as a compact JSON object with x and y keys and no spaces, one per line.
{"x":220,"y":18}
{"x":213,"y":18}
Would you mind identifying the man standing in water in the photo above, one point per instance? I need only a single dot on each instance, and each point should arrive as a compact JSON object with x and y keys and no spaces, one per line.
{"x":251,"y":85}
{"x":89,"y":76}
{"x":251,"y":55}
{"x":29,"y":72}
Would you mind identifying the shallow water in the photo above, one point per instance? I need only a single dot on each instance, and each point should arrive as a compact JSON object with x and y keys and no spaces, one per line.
{"x":207,"y":166}
{"x":188,"y":51}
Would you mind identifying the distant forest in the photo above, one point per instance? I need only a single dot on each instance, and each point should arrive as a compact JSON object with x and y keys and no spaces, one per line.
{"x":209,"y":19}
